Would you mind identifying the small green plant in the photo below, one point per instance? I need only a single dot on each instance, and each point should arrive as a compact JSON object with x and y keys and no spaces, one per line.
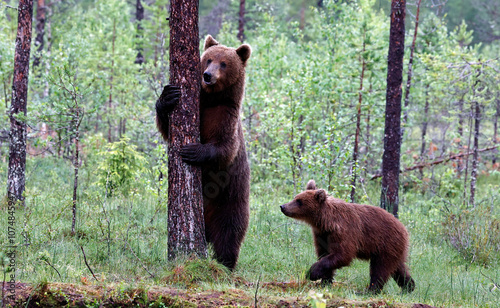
{"x":121,"y":164}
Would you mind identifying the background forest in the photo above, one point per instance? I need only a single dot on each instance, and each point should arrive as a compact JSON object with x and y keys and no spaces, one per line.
{"x":316,"y":68}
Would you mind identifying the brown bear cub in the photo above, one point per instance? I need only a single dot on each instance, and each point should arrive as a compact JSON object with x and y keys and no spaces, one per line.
{"x":344,"y":231}
{"x":221,"y":152}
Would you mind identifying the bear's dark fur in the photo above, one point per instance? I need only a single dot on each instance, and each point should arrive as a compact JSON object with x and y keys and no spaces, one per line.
{"x":345,"y":231}
{"x":221,"y":153}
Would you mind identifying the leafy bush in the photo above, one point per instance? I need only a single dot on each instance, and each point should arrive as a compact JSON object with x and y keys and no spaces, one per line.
{"x":120,"y":165}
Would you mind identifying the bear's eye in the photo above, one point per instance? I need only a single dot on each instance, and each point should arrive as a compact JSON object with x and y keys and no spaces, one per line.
{"x":209,"y":61}
{"x":299,"y":202}
{"x":223,"y":64}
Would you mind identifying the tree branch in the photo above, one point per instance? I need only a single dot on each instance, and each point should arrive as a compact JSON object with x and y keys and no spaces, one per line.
{"x":438,"y":161}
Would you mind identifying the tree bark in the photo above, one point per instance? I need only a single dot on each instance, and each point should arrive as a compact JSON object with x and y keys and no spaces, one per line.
{"x":17,"y":135}
{"x":241,"y":23}
{"x":40,"y":31}
{"x":186,"y":226}
{"x":389,"y":199}
{"x":139,"y":16}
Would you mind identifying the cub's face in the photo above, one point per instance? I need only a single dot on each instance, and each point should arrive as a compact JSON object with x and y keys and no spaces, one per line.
{"x":306,"y":206}
{"x":222,"y":66}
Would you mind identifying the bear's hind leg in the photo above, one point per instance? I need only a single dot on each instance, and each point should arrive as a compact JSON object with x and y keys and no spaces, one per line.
{"x":403,"y":278}
{"x":226,"y":235}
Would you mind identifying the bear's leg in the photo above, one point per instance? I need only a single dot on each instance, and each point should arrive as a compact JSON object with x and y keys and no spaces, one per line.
{"x":403,"y":278}
{"x":325,"y":268}
{"x":226,"y":243}
{"x":380,"y":271}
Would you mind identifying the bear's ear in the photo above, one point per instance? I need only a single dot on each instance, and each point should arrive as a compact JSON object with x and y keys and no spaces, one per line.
{"x":210,"y":41}
{"x":320,"y":195}
{"x":311,"y":185}
{"x":244,"y":51}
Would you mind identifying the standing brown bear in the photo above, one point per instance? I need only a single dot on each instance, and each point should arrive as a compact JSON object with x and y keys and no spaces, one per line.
{"x":221,"y":153}
{"x":345,"y":231}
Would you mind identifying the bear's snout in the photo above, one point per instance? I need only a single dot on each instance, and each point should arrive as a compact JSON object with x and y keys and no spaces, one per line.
{"x":283,"y":209}
{"x":207,"y":77}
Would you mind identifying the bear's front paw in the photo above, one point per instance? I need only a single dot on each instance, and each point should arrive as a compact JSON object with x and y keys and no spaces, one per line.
{"x":168,"y":99}
{"x":319,"y":271}
{"x":195,"y":153}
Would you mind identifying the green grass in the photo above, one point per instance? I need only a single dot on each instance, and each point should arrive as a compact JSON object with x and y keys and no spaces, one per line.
{"x":276,"y":249}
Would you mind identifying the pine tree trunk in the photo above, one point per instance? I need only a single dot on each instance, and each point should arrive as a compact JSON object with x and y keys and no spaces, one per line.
{"x":186,"y":226}
{"x":389,"y":199}
{"x":17,"y":135}
{"x":139,"y":16}
{"x":241,"y":23}
{"x":40,"y":31}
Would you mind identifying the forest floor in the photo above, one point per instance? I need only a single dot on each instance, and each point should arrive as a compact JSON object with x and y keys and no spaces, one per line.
{"x":81,"y":295}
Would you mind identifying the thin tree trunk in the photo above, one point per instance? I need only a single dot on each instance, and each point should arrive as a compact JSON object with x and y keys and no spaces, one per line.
{"x":355,"y":151}
{"x":495,"y":130}
{"x":389,"y":199}
{"x":186,"y":226}
{"x":110,"y":101}
{"x":302,"y":23}
{"x":467,"y":163}
{"x":40,"y":31}
{"x":410,"y":71}
{"x":425,"y":123}
{"x":139,"y":16}
{"x":76,"y":164}
{"x":460,"y":165}
{"x":473,"y":174}
{"x":17,"y":135}
{"x":241,"y":23}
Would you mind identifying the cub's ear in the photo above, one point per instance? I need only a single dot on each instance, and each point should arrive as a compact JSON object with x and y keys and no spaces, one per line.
{"x":244,"y":51}
{"x":311,"y":185}
{"x":210,"y":41}
{"x":320,"y":195}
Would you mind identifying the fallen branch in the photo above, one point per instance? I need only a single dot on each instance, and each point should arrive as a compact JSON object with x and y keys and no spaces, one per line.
{"x":86,"y":263}
{"x":438,"y":161}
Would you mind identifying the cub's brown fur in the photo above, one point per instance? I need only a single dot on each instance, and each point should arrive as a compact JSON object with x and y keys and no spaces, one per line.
{"x":345,"y":231}
{"x":221,"y":153}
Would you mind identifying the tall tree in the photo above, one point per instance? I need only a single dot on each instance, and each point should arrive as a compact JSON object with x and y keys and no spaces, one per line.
{"x":40,"y":31}
{"x":17,"y":135}
{"x":241,"y":21}
{"x":139,"y":16}
{"x":186,"y":226}
{"x":389,"y":199}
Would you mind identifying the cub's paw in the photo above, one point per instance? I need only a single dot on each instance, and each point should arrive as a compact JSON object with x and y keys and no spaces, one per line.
{"x":168,"y":99}
{"x":196,"y":153}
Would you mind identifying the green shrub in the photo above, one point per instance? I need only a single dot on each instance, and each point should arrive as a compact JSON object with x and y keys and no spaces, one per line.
{"x":120,"y":165}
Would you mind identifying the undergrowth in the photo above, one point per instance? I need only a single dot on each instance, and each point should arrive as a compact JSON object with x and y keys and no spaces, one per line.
{"x":453,"y":257}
